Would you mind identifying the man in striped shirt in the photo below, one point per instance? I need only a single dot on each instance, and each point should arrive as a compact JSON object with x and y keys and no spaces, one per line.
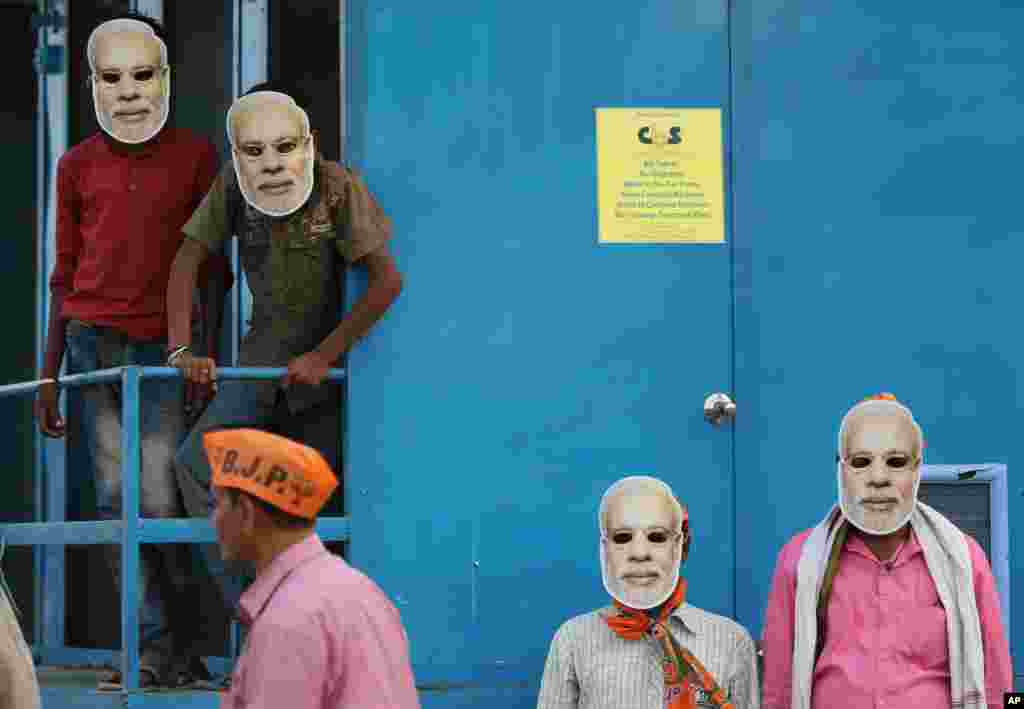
{"x":650,"y":649}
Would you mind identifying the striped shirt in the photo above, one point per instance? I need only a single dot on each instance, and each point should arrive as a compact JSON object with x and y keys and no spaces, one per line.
{"x":590,"y":667}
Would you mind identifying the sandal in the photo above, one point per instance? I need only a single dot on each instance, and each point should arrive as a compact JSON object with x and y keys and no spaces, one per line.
{"x":148,"y":679}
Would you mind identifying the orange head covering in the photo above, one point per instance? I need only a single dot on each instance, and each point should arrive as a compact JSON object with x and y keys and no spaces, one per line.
{"x":288,"y":475}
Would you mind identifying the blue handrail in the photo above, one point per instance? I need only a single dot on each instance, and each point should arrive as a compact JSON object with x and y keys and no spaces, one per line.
{"x":130,"y":531}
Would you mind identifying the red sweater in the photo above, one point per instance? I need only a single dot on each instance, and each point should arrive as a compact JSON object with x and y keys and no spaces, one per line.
{"x":119,"y":218}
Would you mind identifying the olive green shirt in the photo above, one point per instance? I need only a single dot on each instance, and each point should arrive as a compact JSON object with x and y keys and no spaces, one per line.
{"x":291,"y":263}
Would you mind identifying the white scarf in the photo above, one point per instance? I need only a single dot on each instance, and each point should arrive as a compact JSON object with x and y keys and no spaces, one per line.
{"x":949,"y":563}
{"x":19,"y":688}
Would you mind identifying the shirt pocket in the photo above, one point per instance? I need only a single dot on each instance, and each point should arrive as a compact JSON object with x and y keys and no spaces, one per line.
{"x":923,"y":617}
{"x":308,"y":270}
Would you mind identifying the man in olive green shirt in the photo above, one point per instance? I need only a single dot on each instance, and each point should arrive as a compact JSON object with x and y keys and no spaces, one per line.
{"x":293,"y":250}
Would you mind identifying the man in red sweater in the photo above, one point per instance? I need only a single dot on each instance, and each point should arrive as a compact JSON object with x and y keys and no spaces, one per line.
{"x":123,"y":195}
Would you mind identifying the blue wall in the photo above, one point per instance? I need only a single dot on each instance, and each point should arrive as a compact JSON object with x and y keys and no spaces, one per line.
{"x":877,"y":238}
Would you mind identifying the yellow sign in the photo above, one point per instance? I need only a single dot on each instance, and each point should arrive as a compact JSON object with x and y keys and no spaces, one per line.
{"x":659,"y":176}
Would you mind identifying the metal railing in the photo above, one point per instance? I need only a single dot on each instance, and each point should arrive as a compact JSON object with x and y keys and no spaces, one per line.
{"x":130,"y":531}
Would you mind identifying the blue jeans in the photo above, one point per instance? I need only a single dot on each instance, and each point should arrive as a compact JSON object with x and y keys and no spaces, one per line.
{"x":248,"y":404}
{"x":164,"y":570}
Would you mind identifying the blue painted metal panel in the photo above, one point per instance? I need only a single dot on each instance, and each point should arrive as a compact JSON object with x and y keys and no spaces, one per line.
{"x":61,"y":533}
{"x":877,"y":248}
{"x":115,"y":373}
{"x":525,"y":367}
{"x":150,"y":531}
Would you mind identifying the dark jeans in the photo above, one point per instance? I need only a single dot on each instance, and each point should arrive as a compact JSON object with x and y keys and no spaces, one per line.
{"x":249,"y":404}
{"x":164,"y":570}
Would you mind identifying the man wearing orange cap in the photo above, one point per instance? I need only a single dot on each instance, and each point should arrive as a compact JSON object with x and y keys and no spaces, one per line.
{"x":886,"y":603}
{"x":321,"y":634}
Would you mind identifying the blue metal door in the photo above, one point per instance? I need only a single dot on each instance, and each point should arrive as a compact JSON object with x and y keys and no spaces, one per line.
{"x":879,"y":147}
{"x":525,"y":367}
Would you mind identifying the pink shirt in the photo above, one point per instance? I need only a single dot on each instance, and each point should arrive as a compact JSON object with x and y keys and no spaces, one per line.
{"x":322,"y":634}
{"x":886,"y":644}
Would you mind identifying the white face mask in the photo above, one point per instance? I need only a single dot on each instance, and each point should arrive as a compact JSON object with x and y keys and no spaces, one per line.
{"x":880,"y":471}
{"x":131,"y":82}
{"x":272,"y":151}
{"x":640,"y":552}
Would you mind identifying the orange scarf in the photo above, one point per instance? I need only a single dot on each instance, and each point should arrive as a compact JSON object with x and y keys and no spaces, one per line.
{"x":684,"y":674}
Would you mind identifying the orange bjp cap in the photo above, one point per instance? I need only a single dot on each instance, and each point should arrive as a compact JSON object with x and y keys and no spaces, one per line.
{"x":288,"y":475}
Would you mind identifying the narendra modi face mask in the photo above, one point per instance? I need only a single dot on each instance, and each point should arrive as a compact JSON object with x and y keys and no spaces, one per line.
{"x":131,"y":81}
{"x":272,"y":151}
{"x":879,"y":469}
{"x":644,"y":540}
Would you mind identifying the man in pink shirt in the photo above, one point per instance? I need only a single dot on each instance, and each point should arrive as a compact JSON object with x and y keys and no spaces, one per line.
{"x":885,"y":603}
{"x":321,"y":634}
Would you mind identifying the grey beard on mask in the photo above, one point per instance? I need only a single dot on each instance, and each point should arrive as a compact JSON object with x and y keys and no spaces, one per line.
{"x":876,"y":524}
{"x":640,"y":598}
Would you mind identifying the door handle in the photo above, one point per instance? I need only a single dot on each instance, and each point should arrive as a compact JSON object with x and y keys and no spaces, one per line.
{"x":718,"y":408}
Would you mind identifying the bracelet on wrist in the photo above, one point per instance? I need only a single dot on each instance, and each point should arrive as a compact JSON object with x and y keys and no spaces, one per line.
{"x":175,"y":353}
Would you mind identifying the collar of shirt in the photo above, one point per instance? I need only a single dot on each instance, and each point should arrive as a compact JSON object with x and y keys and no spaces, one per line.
{"x":685,"y":615}
{"x":140,"y":150}
{"x":258,"y":595}
{"x":907,"y":550}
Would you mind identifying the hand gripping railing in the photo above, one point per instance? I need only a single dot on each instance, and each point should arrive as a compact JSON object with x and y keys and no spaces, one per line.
{"x":130,"y":531}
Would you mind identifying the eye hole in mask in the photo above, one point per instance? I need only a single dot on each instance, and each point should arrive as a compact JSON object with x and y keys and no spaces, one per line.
{"x":893,"y":462}
{"x":112,"y":77}
{"x":255,"y":150}
{"x":654,"y":537}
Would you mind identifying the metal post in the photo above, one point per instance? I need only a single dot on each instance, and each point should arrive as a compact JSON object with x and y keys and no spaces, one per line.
{"x":252,"y":27}
{"x":150,"y":8}
{"x":130,"y":470}
{"x":51,"y":477}
{"x":251,"y":48}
